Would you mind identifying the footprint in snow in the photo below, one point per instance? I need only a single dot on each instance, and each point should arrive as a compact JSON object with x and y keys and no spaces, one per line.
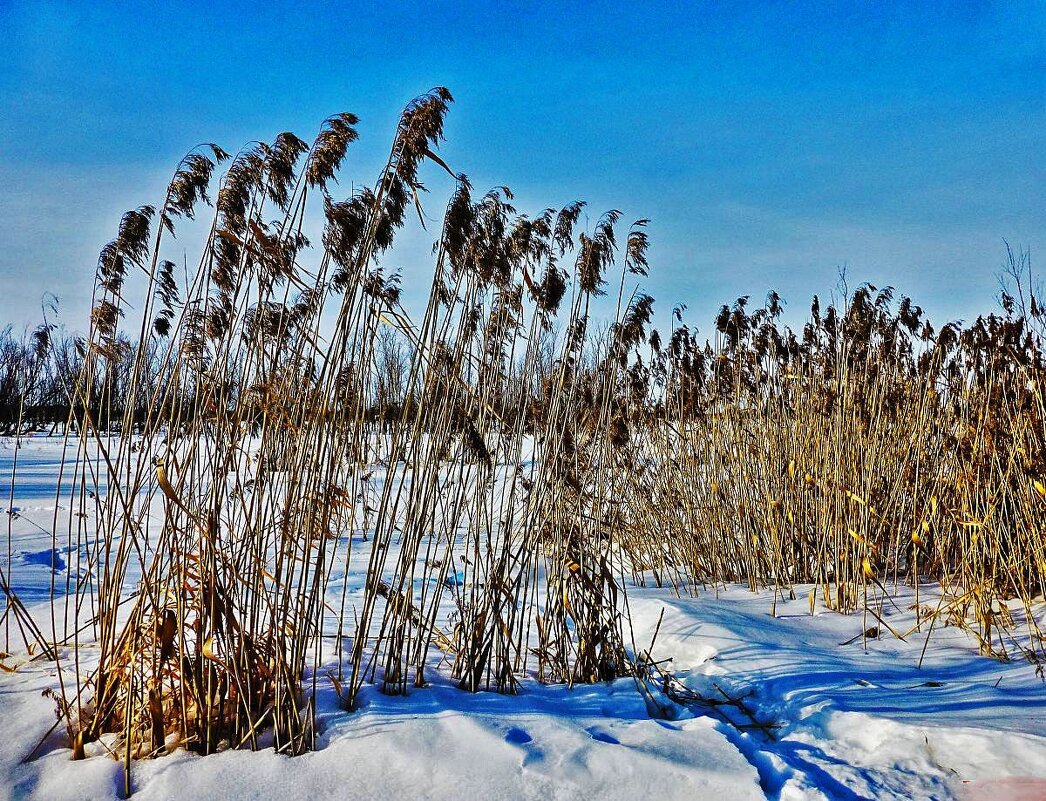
{"x":47,"y":558}
{"x":602,"y":736}
{"x":533,"y":756}
{"x":517,"y":736}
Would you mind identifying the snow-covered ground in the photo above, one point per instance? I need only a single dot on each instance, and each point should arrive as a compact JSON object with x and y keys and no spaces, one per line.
{"x":783,"y":704}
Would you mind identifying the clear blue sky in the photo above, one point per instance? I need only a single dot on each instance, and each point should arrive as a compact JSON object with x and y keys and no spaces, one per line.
{"x":768,"y":143}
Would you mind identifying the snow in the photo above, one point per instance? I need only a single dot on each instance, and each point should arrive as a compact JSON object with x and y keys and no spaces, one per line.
{"x":852,"y":721}
{"x":780,"y":707}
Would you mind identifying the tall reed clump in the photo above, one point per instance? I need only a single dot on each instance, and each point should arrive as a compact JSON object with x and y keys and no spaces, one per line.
{"x":488,"y":506}
{"x":220,"y":494}
{"x":221,"y":463}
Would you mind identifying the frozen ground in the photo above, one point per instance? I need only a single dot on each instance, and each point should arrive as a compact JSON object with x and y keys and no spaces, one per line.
{"x":810,"y":717}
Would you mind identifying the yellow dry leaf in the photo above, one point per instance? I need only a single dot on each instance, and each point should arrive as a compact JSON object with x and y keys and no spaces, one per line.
{"x":165,"y":484}
{"x":208,"y":649}
{"x":853,"y":496}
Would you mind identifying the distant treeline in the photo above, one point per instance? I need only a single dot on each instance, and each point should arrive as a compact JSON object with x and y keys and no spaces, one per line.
{"x":42,"y":378}
{"x":37,"y":370}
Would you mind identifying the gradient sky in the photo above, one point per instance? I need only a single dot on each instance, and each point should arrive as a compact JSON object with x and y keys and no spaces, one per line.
{"x":768,"y":144}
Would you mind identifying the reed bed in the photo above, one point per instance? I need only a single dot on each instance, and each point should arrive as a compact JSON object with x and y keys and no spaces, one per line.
{"x":274,"y":419}
{"x":867,"y":450}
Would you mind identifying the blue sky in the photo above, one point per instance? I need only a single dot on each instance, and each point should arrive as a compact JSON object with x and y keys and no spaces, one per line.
{"x":769,"y":144}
